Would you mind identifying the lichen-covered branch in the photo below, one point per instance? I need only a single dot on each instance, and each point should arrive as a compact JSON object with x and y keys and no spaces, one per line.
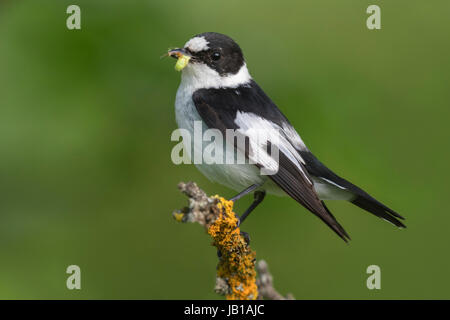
{"x":237,"y":270}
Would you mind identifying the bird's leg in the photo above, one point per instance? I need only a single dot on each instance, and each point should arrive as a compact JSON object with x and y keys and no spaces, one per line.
{"x":252,"y":206}
{"x":245,"y":192}
{"x":258,"y":198}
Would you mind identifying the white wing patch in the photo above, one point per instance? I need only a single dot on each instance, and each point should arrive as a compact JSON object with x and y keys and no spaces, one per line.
{"x":294,"y":137}
{"x":259,"y":131}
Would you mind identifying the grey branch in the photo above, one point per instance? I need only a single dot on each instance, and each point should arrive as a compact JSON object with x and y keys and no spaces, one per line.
{"x":264,"y":282}
{"x":202,"y":209}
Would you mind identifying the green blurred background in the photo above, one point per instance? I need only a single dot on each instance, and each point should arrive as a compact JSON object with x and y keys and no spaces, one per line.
{"x":85,"y":123}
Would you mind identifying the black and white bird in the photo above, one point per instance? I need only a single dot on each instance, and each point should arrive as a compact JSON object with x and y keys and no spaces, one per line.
{"x":216,"y":89}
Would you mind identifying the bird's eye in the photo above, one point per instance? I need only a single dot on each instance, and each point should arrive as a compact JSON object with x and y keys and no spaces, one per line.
{"x":215,"y":56}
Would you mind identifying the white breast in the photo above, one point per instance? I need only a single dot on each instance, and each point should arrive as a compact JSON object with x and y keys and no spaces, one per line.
{"x":234,"y":176}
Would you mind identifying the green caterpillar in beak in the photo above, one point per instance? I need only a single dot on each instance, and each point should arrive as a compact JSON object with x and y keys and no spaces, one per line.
{"x":182,"y":62}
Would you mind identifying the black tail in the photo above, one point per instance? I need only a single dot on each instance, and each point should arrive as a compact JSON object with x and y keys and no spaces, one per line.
{"x":362,"y":198}
{"x":368,"y":203}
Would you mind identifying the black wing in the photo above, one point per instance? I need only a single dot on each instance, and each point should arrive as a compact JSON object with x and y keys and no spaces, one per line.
{"x":219,"y":108}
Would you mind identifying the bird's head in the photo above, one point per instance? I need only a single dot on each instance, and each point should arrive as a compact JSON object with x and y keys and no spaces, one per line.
{"x":211,"y":60}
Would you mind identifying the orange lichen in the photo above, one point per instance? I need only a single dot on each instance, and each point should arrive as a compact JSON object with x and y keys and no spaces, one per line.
{"x":237,"y":261}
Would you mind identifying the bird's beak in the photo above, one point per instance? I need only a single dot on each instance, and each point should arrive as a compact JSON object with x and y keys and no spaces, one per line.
{"x":182,"y":56}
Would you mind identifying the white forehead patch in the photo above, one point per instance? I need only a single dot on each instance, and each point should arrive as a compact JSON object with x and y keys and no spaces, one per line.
{"x":197,"y":44}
